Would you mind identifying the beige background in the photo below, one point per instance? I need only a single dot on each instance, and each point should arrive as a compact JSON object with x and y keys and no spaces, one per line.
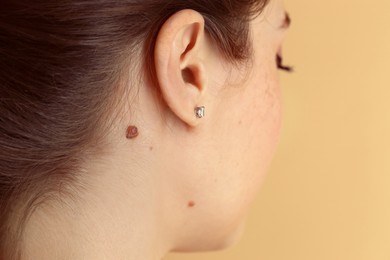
{"x":327,"y":195}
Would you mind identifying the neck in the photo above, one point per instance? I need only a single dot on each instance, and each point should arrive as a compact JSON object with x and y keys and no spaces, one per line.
{"x":118,"y":218}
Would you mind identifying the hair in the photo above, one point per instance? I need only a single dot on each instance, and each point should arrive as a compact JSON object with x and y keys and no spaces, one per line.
{"x":62,"y":64}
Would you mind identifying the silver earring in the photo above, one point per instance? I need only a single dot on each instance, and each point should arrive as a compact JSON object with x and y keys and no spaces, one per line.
{"x":199,"y":112}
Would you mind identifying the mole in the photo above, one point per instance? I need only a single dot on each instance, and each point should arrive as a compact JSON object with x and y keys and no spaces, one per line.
{"x":191,"y":204}
{"x":132,"y":132}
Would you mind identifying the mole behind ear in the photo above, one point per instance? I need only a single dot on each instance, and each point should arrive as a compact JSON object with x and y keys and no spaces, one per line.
{"x":132,"y":132}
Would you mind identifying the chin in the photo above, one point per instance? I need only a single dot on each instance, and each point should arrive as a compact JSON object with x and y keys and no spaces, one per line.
{"x":217,"y":244}
{"x":234,"y":238}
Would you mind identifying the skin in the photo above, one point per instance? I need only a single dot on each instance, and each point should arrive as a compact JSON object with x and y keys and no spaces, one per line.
{"x":181,"y":183}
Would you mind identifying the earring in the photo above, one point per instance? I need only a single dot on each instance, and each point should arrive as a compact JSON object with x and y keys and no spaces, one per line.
{"x":199,"y":112}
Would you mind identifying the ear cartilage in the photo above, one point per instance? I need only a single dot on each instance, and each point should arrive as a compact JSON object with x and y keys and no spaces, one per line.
{"x":132,"y":132}
{"x":200,"y":112}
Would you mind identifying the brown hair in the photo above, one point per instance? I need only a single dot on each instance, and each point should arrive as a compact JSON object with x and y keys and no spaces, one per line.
{"x":61,"y":68}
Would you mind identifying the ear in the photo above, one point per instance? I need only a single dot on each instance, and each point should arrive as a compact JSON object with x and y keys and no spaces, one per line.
{"x":180,"y":68}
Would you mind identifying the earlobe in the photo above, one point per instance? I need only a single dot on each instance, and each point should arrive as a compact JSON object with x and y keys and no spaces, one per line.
{"x":179,"y":63}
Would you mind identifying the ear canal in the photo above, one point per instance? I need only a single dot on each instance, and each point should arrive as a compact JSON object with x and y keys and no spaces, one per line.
{"x":189,"y":76}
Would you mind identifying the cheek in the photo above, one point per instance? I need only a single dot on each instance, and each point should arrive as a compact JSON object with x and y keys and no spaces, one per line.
{"x":263,"y":114}
{"x":262,"y":124}
{"x":247,"y":148}
{"x":258,"y":131}
{"x":238,"y":155}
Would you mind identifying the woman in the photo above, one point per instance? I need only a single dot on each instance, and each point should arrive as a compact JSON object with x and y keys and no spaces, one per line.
{"x":133,"y":128}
